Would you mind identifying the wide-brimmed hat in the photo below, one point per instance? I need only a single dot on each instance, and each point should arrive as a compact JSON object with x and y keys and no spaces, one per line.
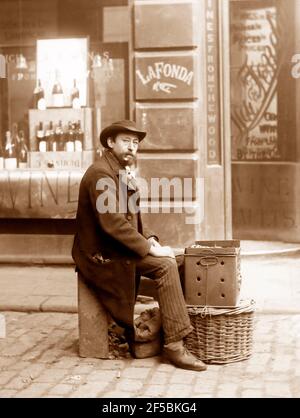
{"x":121,"y":126}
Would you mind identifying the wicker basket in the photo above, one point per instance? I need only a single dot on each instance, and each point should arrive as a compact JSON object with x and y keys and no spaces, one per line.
{"x":221,"y":335}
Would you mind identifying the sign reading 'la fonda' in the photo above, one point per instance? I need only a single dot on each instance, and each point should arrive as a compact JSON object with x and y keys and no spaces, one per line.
{"x":161,"y":70}
{"x":171,"y":76}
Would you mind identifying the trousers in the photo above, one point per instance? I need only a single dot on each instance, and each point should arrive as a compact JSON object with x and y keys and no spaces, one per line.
{"x":164,"y":271}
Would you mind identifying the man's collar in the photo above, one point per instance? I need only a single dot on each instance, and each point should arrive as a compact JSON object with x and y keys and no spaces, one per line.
{"x":113,"y":161}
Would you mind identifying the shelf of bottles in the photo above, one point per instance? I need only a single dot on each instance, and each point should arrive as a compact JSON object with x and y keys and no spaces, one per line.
{"x":59,"y":137}
{"x":42,"y":166}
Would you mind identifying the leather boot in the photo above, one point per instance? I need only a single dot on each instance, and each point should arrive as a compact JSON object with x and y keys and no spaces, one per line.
{"x":181,"y":357}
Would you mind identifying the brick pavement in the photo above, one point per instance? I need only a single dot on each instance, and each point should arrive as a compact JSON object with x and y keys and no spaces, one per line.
{"x":38,"y":358}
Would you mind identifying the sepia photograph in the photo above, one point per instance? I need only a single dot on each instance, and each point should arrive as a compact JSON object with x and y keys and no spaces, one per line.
{"x":149,"y":221}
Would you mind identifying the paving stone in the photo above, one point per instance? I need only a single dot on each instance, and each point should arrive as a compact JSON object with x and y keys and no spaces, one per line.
{"x":227,"y":390}
{"x":32,"y":355}
{"x":32,"y":370}
{"x":275,"y":377}
{"x":52,"y":375}
{"x":252,"y":384}
{"x":66,"y":362}
{"x":50,"y":355}
{"x":5,"y":362}
{"x":259,"y":359}
{"x":20,"y":365}
{"x":265,"y":347}
{"x":18,"y":383}
{"x":297,"y":369}
{"x":282,"y":364}
{"x":14,"y":348}
{"x":35,"y":390}
{"x":17,"y":332}
{"x":203,"y":396}
{"x":118,"y":394}
{"x":83,"y":369}
{"x":159,"y":378}
{"x":280,"y":390}
{"x":60,"y":389}
{"x":7,"y":393}
{"x":90,"y":390}
{"x":178,"y":391}
{"x":156,"y":391}
{"x":129,"y":385}
{"x":252,"y":393}
{"x":185,"y":376}
{"x":55,"y":336}
{"x":255,"y":369}
{"x":203,"y":386}
{"x":136,"y":373}
{"x":6,"y":376}
{"x":109,"y":364}
{"x":101,"y":375}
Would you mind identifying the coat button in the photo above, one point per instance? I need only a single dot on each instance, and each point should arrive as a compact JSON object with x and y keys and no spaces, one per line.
{"x":127,"y":262}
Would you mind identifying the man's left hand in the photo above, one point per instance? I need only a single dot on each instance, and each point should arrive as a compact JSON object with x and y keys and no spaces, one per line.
{"x":153,"y":242}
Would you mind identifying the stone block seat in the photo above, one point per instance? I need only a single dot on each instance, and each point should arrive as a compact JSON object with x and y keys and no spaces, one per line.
{"x":93,"y":323}
{"x":94,"y":319}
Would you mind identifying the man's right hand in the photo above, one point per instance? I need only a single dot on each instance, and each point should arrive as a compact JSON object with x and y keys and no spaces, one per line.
{"x":161,"y":251}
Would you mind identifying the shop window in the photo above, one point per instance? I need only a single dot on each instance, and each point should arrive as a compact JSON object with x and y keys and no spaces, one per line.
{"x":263,"y":90}
{"x":22,"y":24}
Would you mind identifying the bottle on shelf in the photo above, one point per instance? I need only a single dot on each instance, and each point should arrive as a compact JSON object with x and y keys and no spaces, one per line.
{"x":41,"y":138}
{"x":70,"y":145}
{"x":22,"y":151}
{"x":1,"y":155}
{"x":50,"y":138}
{"x":75,"y":100}
{"x":59,"y":137}
{"x":15,"y":137}
{"x":10,"y":152}
{"x":39,"y":96}
{"x":79,"y":136}
{"x":57,"y":93}
{"x":46,"y":137}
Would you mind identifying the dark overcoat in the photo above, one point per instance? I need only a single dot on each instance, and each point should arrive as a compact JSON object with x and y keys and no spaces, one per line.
{"x":108,"y":243}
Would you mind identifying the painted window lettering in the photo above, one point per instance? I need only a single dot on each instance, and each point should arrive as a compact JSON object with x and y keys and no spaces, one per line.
{"x":162,"y":70}
{"x":296,"y":67}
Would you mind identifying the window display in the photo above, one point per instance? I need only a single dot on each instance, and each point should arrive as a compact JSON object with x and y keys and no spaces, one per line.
{"x":62,"y":78}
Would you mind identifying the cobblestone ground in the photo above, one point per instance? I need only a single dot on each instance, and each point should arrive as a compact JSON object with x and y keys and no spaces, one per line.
{"x":38,"y":358}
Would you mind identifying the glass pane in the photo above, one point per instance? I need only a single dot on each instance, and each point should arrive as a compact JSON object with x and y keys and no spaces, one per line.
{"x":262,"y":87}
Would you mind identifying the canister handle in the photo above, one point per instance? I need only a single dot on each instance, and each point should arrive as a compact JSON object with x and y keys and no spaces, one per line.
{"x":213,"y":261}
